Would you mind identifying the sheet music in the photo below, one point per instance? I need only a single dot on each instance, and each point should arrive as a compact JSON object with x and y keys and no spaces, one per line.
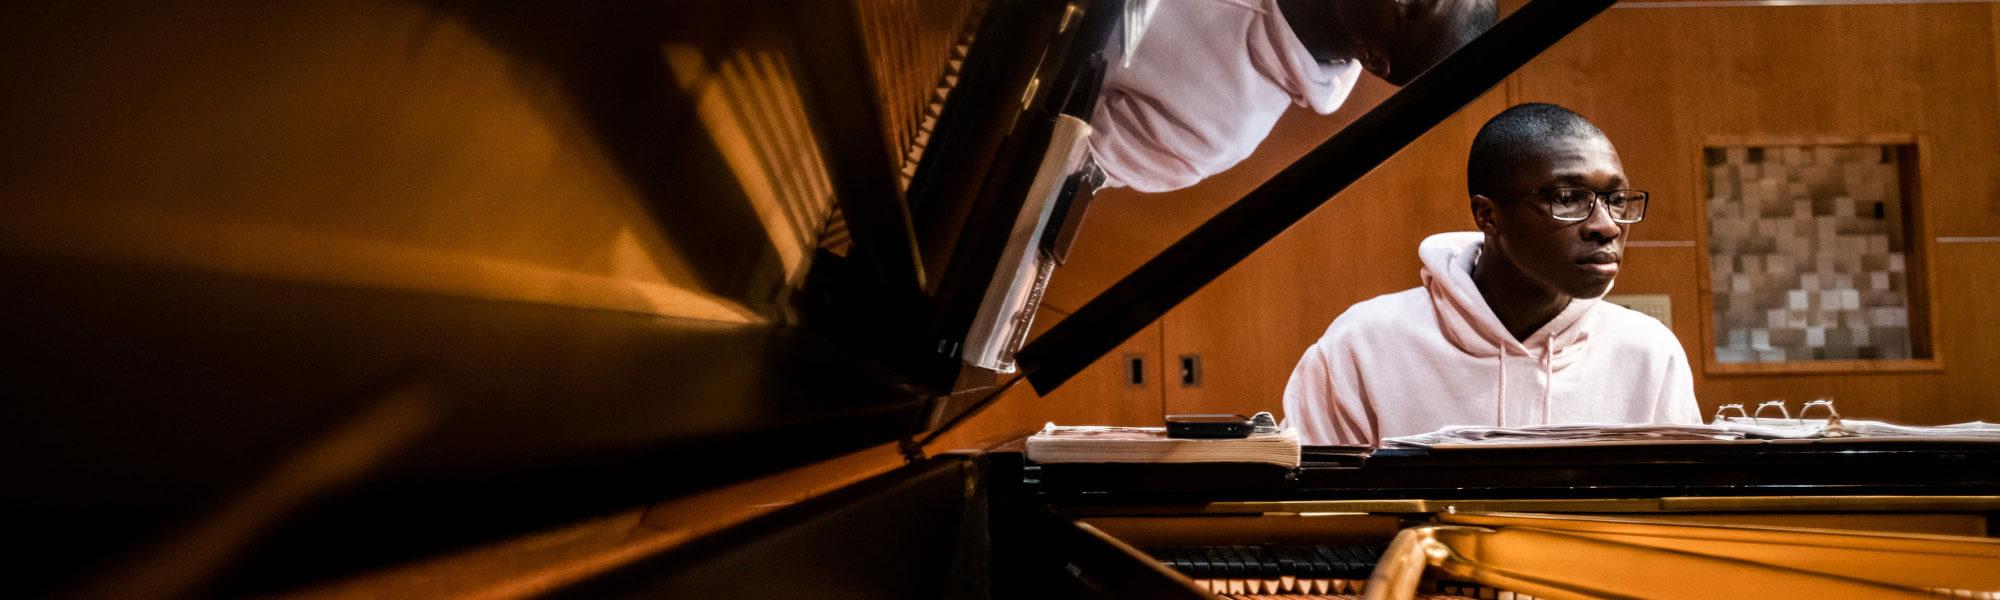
{"x":1566,"y":434}
{"x":1725,"y":431}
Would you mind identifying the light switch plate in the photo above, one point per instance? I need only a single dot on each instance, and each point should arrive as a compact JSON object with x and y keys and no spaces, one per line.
{"x":1658,"y":306}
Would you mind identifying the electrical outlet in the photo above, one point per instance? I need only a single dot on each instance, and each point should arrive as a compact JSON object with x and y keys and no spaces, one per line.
{"x":1190,"y":370}
{"x":1135,"y":370}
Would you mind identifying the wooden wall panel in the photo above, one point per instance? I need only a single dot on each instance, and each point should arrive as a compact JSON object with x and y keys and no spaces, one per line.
{"x":1968,"y":305}
{"x":1660,"y":80}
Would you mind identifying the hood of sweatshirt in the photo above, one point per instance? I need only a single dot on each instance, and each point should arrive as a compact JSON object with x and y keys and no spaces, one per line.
{"x":1472,"y":327}
{"x":1437,"y":356}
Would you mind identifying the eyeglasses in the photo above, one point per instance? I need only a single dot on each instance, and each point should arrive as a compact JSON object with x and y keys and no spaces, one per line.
{"x":1572,"y":204}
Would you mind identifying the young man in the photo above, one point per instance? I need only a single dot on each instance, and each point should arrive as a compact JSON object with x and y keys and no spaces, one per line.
{"x":1508,"y":328}
{"x":1211,"y":77}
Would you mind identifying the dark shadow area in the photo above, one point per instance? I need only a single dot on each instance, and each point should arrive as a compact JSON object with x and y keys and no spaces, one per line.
{"x":154,"y":420}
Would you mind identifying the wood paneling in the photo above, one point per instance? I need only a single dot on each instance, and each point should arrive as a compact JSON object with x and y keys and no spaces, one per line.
{"x":1660,"y":80}
{"x":1968,"y":336}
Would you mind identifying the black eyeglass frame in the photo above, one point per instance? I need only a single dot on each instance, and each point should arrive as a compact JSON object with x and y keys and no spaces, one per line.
{"x":1596,"y":198}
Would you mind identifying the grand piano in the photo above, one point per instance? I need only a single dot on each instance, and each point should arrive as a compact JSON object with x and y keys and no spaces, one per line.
{"x":304,"y":293}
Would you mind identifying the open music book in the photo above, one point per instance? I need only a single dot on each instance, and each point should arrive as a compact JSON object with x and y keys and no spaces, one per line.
{"x":1862,"y":429}
{"x":1730,"y":430}
{"x":1099,"y":444}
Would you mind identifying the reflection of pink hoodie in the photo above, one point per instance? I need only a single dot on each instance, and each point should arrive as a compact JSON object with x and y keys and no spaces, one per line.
{"x":1208,"y":82}
{"x":1436,"y":356}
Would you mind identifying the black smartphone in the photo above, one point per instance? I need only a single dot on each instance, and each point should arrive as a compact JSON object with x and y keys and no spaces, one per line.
{"x":1209,"y":426}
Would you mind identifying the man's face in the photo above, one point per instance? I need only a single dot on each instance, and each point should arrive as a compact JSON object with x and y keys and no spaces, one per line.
{"x":1578,"y":259}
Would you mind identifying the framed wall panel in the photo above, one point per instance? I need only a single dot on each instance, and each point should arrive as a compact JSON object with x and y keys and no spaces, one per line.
{"x":1815,"y":255}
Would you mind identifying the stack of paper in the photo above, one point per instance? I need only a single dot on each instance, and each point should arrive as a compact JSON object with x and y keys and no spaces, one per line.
{"x":1974,"y":430}
{"x":1723,"y":431}
{"x":1566,"y":434}
{"x":1092,"y":444}
{"x":1773,"y":429}
{"x":1858,"y":428}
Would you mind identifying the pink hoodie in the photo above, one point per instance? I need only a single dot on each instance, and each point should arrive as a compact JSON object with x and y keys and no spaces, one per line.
{"x":1436,"y":356}
{"x":1208,"y":82}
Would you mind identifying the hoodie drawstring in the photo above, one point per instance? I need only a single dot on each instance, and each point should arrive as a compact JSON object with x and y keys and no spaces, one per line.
{"x":1548,"y":377}
{"x":1472,"y":327}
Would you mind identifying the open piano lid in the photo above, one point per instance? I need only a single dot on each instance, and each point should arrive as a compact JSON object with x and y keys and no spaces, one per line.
{"x":145,"y":424}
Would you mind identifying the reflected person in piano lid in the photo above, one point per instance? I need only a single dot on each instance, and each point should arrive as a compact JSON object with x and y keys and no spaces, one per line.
{"x":1508,"y":328}
{"x":1211,"y":77}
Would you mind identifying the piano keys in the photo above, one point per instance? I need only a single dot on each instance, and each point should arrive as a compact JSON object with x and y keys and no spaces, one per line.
{"x":1294,"y":572}
{"x":1272,"y":569}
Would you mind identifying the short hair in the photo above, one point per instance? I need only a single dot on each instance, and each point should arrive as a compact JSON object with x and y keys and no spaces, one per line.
{"x":1451,"y":25}
{"x":1512,"y":137}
